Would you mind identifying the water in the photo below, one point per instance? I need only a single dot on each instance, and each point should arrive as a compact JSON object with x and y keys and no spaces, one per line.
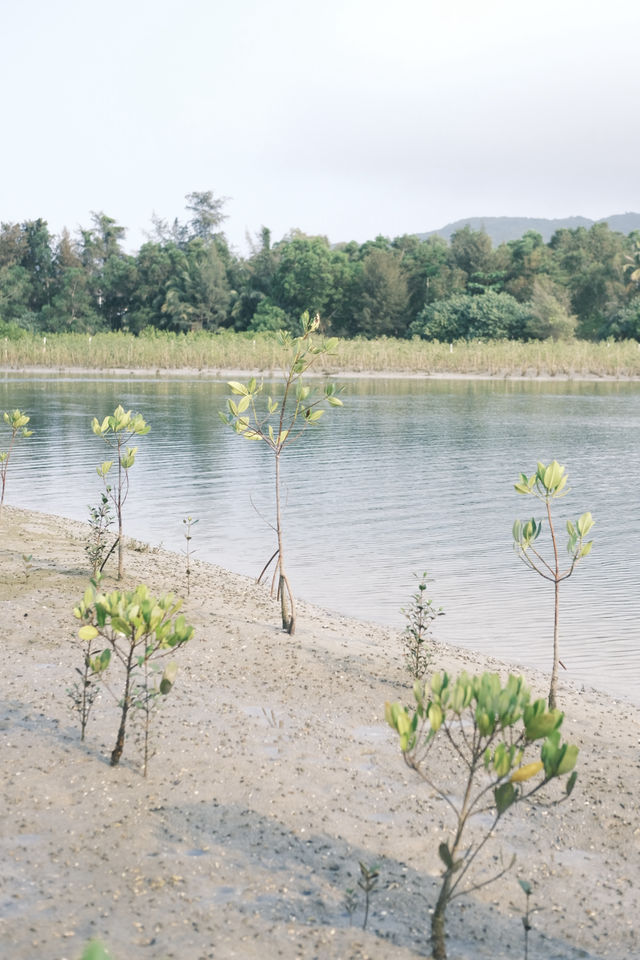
{"x":411,"y":475}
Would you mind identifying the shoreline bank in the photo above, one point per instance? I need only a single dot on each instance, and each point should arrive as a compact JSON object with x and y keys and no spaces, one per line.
{"x":274,"y":776}
{"x":211,"y":373}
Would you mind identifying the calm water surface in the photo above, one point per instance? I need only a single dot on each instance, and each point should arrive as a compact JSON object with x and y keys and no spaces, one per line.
{"x":411,"y":475}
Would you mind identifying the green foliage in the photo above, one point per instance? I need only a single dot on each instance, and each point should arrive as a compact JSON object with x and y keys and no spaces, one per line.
{"x":95,"y":950}
{"x":148,"y":691}
{"x":547,"y":484}
{"x":549,"y":312}
{"x":117,"y":431}
{"x":420,"y":616}
{"x":28,"y":565}
{"x":368,"y":881}
{"x":623,"y":324}
{"x":138,"y":630}
{"x":17,"y":422}
{"x":490,"y":315}
{"x":84,"y":692}
{"x":189,"y":523}
{"x":488,"y":732}
{"x":269,"y":317}
{"x":186,"y":278}
{"x":278,"y":422}
{"x":100,"y":519}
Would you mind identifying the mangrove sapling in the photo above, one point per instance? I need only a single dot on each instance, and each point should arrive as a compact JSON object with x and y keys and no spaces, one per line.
{"x":350,"y":901}
{"x":367,"y":882}
{"x":117,"y":431}
{"x":420,"y":615}
{"x":189,"y":522}
{"x":488,"y":732}
{"x":280,"y":423}
{"x":546,"y":484}
{"x":84,"y":693}
{"x":526,"y":922}
{"x":28,"y":565}
{"x":138,"y":629}
{"x":17,"y":423}
{"x":100,"y":519}
{"x":147,"y":694}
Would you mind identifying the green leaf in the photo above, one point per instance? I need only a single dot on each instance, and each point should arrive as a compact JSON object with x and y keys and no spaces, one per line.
{"x":569,"y":759}
{"x":541,"y":725}
{"x":435,"y":716}
{"x":237,"y":388}
{"x":168,"y":677}
{"x":525,"y":886}
{"x":119,"y":625}
{"x":95,"y":951}
{"x":571,"y":782}
{"x":585,"y":524}
{"x":505,"y":795}
{"x":445,"y":855}
{"x":87,"y":633}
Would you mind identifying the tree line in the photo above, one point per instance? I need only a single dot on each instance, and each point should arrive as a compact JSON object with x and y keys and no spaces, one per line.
{"x":583,"y":283}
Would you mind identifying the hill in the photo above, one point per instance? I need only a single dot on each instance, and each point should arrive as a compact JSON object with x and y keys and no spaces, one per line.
{"x":503,"y":229}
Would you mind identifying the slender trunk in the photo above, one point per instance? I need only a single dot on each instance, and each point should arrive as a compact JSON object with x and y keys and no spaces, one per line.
{"x":553,"y":689}
{"x":287,"y":603}
{"x":3,"y":473}
{"x":147,"y":710}
{"x":120,"y":540}
{"x":438,"y":944}
{"x":119,"y":747}
{"x":556,"y":645}
{"x":85,"y":679}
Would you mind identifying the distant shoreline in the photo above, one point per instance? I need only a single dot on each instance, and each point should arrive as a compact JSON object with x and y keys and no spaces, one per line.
{"x":212,"y":373}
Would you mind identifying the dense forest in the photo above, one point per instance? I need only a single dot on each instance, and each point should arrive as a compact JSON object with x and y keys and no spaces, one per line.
{"x":584,"y":283}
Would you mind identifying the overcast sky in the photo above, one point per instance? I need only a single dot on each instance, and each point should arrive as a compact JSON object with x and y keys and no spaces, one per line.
{"x":347,"y":118}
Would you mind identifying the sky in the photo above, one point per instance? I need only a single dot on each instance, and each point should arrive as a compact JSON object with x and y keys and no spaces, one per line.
{"x":346,"y":118}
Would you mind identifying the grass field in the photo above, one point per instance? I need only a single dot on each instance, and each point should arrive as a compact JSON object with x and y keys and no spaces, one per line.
{"x":262,"y":353}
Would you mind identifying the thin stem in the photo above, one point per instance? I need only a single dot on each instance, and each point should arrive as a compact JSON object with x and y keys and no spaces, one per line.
{"x":556,"y":612}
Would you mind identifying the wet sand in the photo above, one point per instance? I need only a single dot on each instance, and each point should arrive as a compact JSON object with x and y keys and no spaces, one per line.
{"x":274,"y":776}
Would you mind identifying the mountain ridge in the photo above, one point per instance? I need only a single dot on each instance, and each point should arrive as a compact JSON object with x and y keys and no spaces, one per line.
{"x":504,"y":229}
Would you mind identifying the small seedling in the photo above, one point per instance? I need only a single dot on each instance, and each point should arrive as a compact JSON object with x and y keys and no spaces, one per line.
{"x":100,"y":519}
{"x":17,"y":423}
{"x":368,"y":882}
{"x":547,"y":484}
{"x":350,"y":903}
{"x":117,"y":431}
{"x":189,"y":522}
{"x":420,"y":615}
{"x":84,"y":693}
{"x":138,"y":629}
{"x":487,"y":730}
{"x":279,"y":423}
{"x":28,"y":566}
{"x":526,"y":886}
{"x":147,"y":694}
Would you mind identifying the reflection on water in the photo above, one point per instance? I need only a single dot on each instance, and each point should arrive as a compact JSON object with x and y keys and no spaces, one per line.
{"x":411,"y":475}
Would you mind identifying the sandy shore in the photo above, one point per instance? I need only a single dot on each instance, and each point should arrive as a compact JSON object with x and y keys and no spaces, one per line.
{"x":274,"y":775}
{"x":213,"y":373}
